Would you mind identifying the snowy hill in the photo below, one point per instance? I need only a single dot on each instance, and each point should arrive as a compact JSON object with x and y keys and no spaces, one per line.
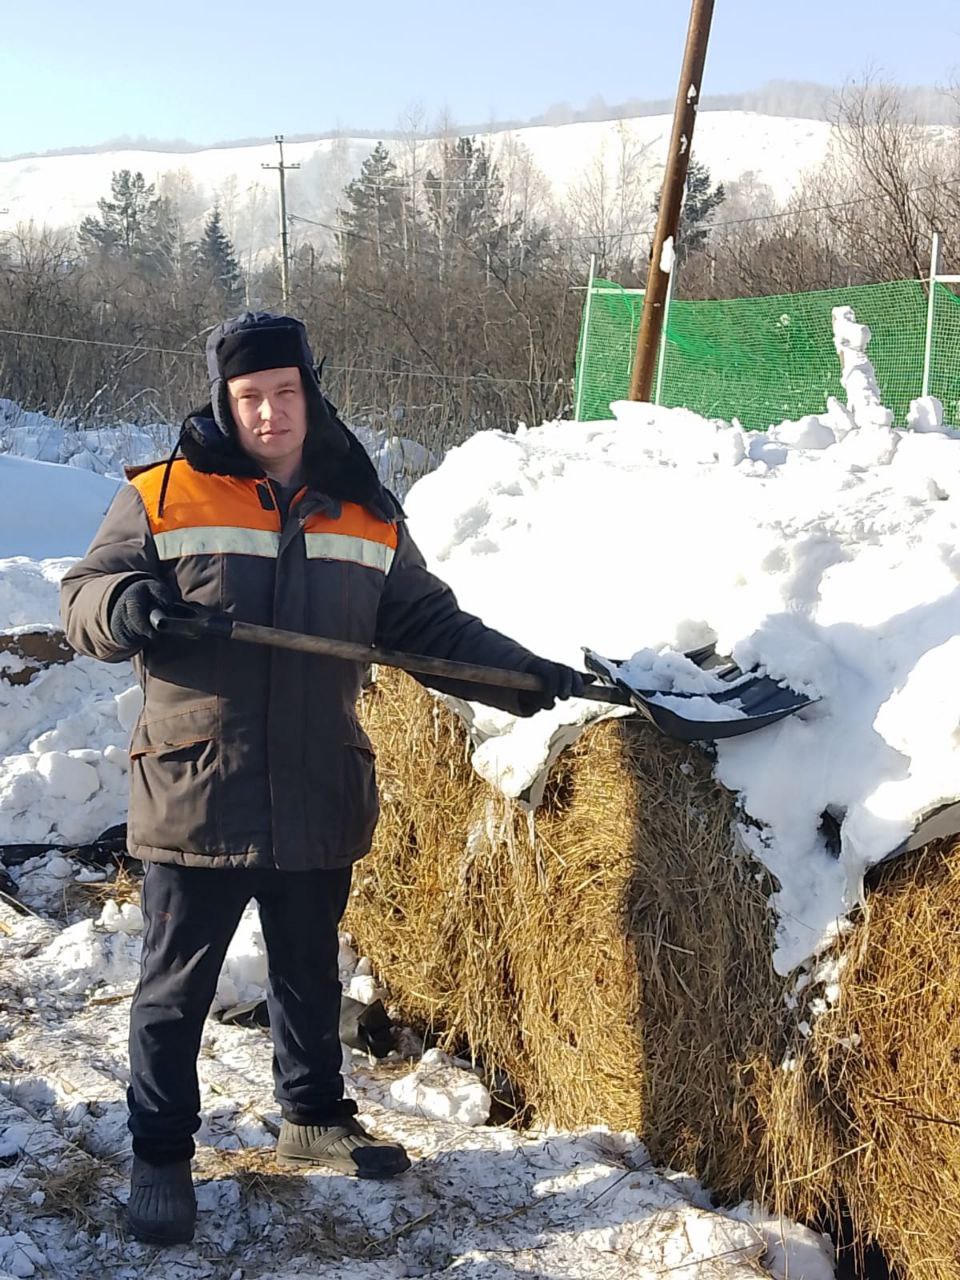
{"x":61,"y":190}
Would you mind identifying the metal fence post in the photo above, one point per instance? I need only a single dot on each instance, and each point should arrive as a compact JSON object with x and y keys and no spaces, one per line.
{"x":663,"y":331}
{"x":928,"y":341}
{"x":584,"y":338}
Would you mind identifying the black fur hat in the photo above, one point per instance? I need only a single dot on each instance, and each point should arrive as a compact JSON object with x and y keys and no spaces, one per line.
{"x":259,"y":340}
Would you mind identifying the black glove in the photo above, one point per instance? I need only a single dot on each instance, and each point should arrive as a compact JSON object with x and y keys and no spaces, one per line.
{"x":559,"y":683}
{"x":130,"y":611}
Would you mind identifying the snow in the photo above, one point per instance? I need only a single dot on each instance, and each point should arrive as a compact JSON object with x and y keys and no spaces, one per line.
{"x":73,"y":504}
{"x":108,"y":450}
{"x":822,"y":551}
{"x":480,"y":1200}
{"x":667,"y":256}
{"x":99,"y":450}
{"x":63,"y":756}
{"x":439,"y":1090}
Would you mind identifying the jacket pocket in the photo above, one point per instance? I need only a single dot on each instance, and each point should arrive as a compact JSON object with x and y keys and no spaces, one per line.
{"x":359,"y":805}
{"x":174,"y":781}
{"x":182,"y":729}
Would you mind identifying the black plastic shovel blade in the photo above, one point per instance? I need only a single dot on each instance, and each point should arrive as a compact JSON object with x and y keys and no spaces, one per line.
{"x":750,"y":702}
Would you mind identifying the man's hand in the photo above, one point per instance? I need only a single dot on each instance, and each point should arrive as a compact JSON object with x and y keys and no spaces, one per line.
{"x":130,"y":612}
{"x":559,"y":683}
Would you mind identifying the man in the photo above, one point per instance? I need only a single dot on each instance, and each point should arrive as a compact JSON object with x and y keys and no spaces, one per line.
{"x":250,"y":776}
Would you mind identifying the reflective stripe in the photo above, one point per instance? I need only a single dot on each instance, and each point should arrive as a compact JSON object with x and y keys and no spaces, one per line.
{"x":343,"y":546}
{"x":216,"y":540}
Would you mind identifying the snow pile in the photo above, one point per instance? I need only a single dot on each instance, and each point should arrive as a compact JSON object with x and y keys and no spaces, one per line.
{"x":49,"y":510}
{"x":101,"y":450}
{"x":440,"y":1090}
{"x":824,"y":551}
{"x":63,"y":752}
{"x":83,"y":957}
{"x":125,"y":917}
{"x":30,"y":589}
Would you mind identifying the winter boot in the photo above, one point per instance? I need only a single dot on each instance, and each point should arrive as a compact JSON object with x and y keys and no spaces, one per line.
{"x":345,"y":1147}
{"x":162,"y":1208}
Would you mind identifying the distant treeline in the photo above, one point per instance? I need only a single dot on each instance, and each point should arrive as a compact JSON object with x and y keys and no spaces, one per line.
{"x":443,"y":285}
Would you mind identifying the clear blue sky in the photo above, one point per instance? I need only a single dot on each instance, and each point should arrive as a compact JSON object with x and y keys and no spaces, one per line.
{"x":78,"y":74}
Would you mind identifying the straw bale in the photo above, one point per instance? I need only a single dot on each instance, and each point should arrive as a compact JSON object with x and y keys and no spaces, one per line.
{"x":612,"y":956}
{"x":868,"y":1118}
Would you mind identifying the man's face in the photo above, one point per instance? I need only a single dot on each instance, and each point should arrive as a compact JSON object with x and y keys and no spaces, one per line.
{"x":270,"y":410}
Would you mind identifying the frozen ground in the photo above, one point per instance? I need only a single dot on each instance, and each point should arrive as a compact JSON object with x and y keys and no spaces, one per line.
{"x":481,"y":1201}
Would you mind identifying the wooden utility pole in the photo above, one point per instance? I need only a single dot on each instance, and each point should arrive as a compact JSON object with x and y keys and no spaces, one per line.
{"x":671,"y":196}
{"x":284,"y":249}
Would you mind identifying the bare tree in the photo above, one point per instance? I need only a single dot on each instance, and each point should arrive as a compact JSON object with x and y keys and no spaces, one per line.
{"x":609,"y":206}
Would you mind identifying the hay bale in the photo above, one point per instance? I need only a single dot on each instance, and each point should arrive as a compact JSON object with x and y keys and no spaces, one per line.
{"x":613,"y":957}
{"x":869,"y":1116}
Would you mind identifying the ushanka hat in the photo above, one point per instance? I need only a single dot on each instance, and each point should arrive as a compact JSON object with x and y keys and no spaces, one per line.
{"x":252,"y":342}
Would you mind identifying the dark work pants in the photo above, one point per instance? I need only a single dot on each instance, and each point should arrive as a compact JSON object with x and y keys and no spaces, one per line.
{"x":190,"y":915}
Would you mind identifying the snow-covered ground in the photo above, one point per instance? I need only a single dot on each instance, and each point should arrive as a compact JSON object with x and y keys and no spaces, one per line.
{"x":481,"y":1200}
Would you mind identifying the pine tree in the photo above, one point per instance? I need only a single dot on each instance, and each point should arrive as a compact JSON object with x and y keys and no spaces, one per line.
{"x":216,"y":258}
{"x":465,"y":209}
{"x":376,"y":220}
{"x":135,"y":225}
{"x":699,"y":203}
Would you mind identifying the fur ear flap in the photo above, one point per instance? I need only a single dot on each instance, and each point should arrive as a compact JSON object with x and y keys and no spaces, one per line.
{"x":325,"y":434}
{"x":220,"y":403}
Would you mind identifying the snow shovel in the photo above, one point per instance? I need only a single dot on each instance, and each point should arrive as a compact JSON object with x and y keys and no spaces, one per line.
{"x":750,"y":702}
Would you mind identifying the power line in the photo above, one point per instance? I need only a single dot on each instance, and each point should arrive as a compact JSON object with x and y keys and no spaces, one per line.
{"x":713,"y":224}
{"x":338,"y":368}
{"x":821,"y":208}
{"x":95,"y":342}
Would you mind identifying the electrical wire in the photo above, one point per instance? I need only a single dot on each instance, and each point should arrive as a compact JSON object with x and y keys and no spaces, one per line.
{"x":338,"y":368}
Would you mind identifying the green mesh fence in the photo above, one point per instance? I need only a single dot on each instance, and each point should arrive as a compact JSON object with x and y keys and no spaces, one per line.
{"x":761,"y":360}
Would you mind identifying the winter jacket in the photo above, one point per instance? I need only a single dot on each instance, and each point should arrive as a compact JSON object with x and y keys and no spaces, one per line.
{"x":245,"y":756}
